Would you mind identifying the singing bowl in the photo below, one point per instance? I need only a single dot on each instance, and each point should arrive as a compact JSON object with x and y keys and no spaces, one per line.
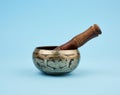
{"x":51,"y":61}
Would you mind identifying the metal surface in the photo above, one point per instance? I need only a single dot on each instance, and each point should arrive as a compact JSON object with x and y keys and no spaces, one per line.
{"x":55,"y":61}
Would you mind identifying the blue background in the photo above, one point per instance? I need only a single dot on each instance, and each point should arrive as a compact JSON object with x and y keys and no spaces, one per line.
{"x":26,"y":24}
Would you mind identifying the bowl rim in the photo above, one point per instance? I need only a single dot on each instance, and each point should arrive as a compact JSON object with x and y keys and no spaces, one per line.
{"x":50,"y":48}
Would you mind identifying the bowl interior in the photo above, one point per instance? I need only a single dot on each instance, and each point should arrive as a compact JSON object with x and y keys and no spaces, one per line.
{"x":47,"y":47}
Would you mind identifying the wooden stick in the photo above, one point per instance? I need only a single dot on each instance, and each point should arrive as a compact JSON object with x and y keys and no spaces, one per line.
{"x":81,"y":39}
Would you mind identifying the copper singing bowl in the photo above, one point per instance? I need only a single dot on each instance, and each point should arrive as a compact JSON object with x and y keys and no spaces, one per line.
{"x":53,"y":61}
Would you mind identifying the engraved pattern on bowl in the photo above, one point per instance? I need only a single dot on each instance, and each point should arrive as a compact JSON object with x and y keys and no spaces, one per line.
{"x":55,"y":62}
